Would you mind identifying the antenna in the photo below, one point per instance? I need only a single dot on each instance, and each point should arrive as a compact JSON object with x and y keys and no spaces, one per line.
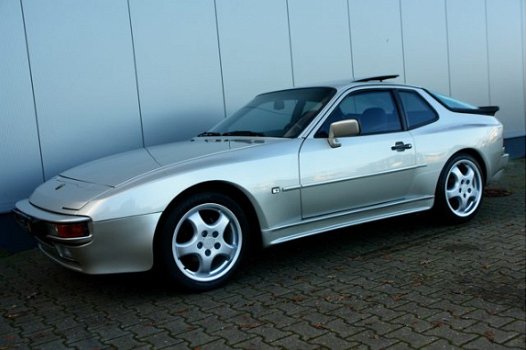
{"x":378,"y":77}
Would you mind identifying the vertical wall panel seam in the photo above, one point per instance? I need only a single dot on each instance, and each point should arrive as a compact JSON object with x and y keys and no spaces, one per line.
{"x":447,"y":48}
{"x":350,"y":37}
{"x":290,"y":45}
{"x":523,"y":36}
{"x":136,"y":75}
{"x":402,"y":38}
{"x":220,"y":59}
{"x":33,"y":93}
{"x":488,"y":68}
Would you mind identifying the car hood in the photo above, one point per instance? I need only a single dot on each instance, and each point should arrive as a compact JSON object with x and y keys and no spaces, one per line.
{"x":119,"y":168}
{"x":74,"y":188}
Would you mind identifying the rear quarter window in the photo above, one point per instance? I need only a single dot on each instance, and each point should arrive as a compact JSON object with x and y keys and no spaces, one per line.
{"x":417,"y":111}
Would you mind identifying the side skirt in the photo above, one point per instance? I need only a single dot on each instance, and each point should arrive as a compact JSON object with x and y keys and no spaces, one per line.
{"x":313,"y":226}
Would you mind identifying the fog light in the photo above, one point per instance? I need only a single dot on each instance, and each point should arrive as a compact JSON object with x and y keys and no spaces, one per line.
{"x":71,"y":230}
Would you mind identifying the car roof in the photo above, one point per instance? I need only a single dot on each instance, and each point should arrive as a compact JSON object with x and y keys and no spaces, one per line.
{"x":345,"y":84}
{"x":371,"y":80}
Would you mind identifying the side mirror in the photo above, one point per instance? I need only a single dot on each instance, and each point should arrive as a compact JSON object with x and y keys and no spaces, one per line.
{"x":343,"y":128}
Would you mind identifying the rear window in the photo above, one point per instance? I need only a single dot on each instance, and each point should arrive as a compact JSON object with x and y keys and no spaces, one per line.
{"x":463,"y":107}
{"x":451,"y":103}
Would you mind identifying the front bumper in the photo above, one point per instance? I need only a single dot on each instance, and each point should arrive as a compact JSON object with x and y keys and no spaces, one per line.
{"x":113,"y":246}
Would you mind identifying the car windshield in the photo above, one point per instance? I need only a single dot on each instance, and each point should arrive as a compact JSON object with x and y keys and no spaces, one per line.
{"x":451,"y":103}
{"x":276,"y":114}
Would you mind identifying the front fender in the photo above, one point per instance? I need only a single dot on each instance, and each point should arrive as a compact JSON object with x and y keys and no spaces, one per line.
{"x":260,"y":173}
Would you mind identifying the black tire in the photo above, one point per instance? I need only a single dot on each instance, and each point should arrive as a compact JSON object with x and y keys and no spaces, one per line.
{"x":203,"y":241}
{"x":459,"y":190}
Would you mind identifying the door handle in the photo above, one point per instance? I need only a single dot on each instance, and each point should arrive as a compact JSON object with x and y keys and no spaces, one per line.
{"x":400,"y":146}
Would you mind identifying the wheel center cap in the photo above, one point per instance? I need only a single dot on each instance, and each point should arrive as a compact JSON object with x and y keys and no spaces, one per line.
{"x":208,"y":243}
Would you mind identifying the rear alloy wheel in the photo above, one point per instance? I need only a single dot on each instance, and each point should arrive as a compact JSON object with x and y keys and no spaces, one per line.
{"x":204,"y":241}
{"x":460,"y":189}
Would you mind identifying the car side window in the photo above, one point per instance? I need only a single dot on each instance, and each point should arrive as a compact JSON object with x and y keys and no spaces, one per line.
{"x":374,"y":110}
{"x":417,"y":111}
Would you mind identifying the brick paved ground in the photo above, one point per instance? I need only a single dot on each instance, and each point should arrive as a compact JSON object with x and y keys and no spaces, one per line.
{"x":397,"y":284}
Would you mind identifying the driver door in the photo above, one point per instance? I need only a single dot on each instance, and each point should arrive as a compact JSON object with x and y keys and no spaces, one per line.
{"x":371,"y":170}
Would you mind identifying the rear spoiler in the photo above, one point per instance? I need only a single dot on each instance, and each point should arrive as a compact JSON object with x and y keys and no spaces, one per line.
{"x":484,"y":110}
{"x":488,"y":110}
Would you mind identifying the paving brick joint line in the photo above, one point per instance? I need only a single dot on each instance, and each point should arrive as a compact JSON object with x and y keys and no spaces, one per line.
{"x":404,"y":283}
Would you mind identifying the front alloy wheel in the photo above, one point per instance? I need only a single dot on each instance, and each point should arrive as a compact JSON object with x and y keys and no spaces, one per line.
{"x":204,"y":240}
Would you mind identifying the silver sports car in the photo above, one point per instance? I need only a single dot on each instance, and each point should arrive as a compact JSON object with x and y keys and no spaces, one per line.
{"x":289,"y":164}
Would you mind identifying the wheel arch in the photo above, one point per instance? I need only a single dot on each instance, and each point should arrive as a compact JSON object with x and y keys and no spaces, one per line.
{"x":477,"y":156}
{"x":222,"y":187}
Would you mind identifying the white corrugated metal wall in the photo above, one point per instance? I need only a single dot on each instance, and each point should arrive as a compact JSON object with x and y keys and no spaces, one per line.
{"x":83,"y":79}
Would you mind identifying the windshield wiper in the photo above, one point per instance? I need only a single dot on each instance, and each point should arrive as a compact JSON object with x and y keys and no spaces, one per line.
{"x":231,"y":133}
{"x":242,"y":133}
{"x":209,"y":133}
